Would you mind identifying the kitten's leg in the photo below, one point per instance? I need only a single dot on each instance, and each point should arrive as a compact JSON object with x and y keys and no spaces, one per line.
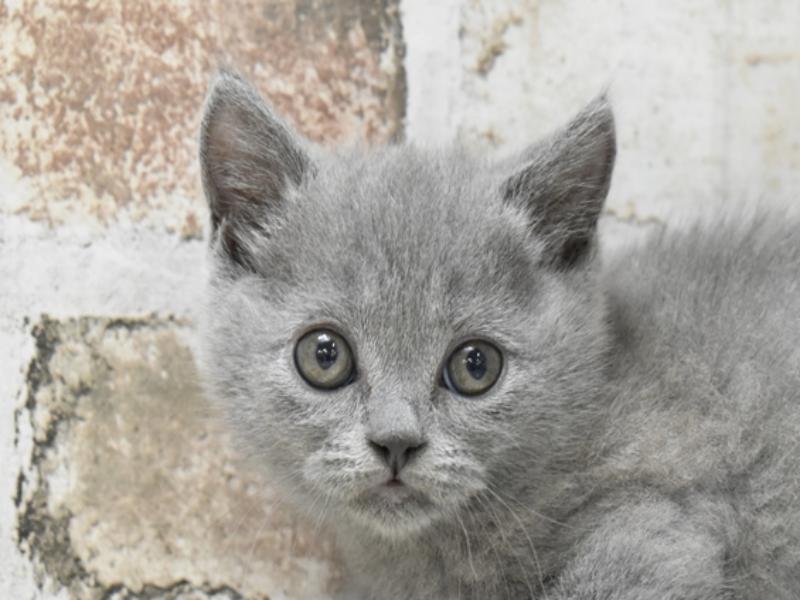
{"x":643,"y":551}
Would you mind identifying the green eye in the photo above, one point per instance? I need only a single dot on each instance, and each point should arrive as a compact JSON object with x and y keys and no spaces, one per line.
{"x":473,"y":368}
{"x":324,"y":359}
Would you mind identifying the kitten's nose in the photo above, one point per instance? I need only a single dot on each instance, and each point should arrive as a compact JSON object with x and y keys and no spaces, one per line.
{"x":396,"y":449}
{"x":394,"y":431}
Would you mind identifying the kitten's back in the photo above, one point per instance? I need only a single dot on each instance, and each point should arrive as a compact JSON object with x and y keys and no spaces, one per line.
{"x":716,"y":296}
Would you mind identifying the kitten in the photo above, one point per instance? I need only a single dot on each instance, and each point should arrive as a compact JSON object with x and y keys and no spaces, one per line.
{"x":425,"y":344}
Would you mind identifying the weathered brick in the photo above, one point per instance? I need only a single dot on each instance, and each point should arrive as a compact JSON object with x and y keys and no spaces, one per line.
{"x":99,"y":101}
{"x":133,"y":491}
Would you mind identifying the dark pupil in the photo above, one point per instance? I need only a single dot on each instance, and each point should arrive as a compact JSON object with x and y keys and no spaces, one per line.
{"x":476,"y":363}
{"x":326,"y":351}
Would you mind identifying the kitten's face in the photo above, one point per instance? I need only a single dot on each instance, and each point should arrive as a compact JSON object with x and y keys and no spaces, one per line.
{"x":387,"y":334}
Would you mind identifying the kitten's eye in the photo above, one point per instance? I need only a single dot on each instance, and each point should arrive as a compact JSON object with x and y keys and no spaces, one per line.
{"x":324,"y":359}
{"x":473,"y":368}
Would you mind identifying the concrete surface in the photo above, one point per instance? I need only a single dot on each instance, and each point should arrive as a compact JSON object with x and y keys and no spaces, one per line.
{"x":115,"y":482}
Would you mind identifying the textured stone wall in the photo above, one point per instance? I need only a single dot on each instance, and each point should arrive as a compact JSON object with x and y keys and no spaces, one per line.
{"x":116,"y":479}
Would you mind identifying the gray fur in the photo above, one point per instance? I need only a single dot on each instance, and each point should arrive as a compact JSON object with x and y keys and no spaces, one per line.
{"x":643,"y":441}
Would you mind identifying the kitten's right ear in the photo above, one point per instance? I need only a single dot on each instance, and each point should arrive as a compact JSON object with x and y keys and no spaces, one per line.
{"x":250,"y":160}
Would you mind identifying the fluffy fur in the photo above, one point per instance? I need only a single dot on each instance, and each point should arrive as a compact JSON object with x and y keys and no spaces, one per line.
{"x":643,"y":440}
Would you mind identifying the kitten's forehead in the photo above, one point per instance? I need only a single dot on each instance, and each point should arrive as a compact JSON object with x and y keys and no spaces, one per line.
{"x":407,"y":194}
{"x":402,"y":210}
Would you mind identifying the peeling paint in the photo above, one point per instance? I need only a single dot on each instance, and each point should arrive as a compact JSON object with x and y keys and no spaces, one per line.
{"x":493,"y":43}
{"x":628,"y":214}
{"x":756,"y":59}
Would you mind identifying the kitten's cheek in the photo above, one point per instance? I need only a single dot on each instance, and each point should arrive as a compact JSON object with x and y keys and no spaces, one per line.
{"x":314,"y":474}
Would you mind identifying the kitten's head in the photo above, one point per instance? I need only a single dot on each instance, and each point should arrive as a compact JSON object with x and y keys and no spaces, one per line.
{"x":395,"y":332}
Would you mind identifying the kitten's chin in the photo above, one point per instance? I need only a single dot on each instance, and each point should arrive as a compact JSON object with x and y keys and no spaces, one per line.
{"x":394,"y":512}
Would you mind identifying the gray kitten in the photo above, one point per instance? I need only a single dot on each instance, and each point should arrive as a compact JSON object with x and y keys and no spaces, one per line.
{"x":423,"y":349}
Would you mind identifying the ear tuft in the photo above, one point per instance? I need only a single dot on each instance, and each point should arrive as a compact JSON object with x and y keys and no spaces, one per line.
{"x":250,"y":159}
{"x":563,"y":182}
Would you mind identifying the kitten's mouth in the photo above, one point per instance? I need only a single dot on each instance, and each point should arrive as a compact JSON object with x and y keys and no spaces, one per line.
{"x":394,"y":507}
{"x":395,"y":491}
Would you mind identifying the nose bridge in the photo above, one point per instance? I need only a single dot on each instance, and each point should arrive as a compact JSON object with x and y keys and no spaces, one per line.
{"x":394,"y":416}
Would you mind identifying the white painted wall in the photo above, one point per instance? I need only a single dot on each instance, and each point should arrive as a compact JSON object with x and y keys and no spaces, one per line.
{"x":707,"y":93}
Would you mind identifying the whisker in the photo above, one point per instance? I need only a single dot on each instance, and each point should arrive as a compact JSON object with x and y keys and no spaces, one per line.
{"x":469,"y":548}
{"x":493,"y":546}
{"x":524,"y":530}
{"x":510,"y":547}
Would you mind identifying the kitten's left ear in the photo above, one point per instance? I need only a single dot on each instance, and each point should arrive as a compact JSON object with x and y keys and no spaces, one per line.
{"x":250,"y":161}
{"x":563,"y":183}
